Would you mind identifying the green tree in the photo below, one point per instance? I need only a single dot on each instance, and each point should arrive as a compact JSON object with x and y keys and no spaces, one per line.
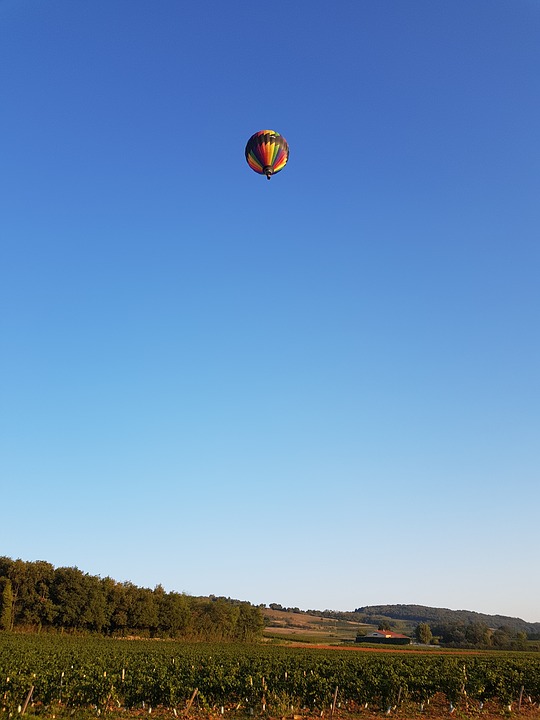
{"x":30,"y":584}
{"x":175,"y":616}
{"x":478,"y":633}
{"x":95,"y":614}
{"x":36,"y":607}
{"x":6,"y":604}
{"x":69,"y":594}
{"x":144,"y":615}
{"x":503,"y":638}
{"x":423,"y":633}
{"x":15,"y":570}
{"x":520,"y":641}
{"x":250,"y":623}
{"x":117,"y":606}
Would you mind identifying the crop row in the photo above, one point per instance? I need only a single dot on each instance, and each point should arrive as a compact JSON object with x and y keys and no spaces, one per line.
{"x":136,"y":674}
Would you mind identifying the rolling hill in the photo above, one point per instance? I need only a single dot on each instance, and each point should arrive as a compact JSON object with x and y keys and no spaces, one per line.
{"x":414,"y":614}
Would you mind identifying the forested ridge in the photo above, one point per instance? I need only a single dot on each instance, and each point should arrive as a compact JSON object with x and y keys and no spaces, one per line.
{"x":437,"y":616}
{"x":36,"y":596}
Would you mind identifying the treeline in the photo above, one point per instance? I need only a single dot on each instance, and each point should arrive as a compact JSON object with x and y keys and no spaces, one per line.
{"x":444,"y":617}
{"x":331,"y":614}
{"x":475,"y":635}
{"x":36,"y":596}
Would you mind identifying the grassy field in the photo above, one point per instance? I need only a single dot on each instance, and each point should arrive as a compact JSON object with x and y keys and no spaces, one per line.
{"x":301,"y":627}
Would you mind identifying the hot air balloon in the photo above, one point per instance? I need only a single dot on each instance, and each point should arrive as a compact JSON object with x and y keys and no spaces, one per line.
{"x":267,"y":152}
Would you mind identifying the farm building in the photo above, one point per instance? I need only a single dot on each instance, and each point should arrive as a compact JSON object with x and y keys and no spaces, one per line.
{"x":384,"y":636}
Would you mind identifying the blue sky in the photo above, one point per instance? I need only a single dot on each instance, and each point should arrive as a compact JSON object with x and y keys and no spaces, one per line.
{"x":322,"y":390}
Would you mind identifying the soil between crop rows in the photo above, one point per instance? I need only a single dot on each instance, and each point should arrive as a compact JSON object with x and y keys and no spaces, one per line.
{"x":437,"y":709}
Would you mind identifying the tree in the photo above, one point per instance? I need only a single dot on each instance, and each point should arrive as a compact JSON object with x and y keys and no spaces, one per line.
{"x":36,"y":607}
{"x":95,"y":616}
{"x":477,"y":633}
{"x":144,"y":611}
{"x":250,"y":622}
{"x":120,"y":602}
{"x":175,"y":616}
{"x":502,"y":638}
{"x":6,"y":604}
{"x":423,"y":633}
{"x":79,"y":600}
{"x":30,"y":582}
{"x":15,"y":571}
{"x":450,"y":633}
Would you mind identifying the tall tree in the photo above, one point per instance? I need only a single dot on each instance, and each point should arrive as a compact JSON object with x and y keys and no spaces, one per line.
{"x":35,"y":606}
{"x":70,"y":598}
{"x":6,"y":604}
{"x":144,"y":616}
{"x":15,"y":570}
{"x":423,"y":633}
{"x":478,"y":633}
{"x":175,"y":616}
{"x":250,"y":622}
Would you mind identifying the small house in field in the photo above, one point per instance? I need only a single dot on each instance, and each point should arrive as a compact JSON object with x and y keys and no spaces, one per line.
{"x":384,"y":636}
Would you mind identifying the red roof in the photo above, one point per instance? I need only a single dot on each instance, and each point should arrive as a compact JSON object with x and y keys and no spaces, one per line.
{"x":387,"y":633}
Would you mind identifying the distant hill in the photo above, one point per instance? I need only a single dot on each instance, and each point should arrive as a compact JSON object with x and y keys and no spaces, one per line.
{"x":408,"y":616}
{"x":414,"y":614}
{"x":449,"y":628}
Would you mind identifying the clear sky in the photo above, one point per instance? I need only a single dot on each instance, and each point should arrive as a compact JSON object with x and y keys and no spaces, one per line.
{"x":321,"y":391}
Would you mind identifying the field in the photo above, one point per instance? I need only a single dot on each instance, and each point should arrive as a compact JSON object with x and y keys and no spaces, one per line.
{"x":302,"y":627}
{"x":54,"y":677}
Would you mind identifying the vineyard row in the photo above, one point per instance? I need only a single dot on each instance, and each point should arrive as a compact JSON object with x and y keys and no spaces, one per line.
{"x":82,"y":673}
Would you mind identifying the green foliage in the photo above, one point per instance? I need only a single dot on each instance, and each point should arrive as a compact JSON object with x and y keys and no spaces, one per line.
{"x":414,"y":614}
{"x":102,"y":673}
{"x":35,"y":595}
{"x":423,"y":633}
{"x":479,"y":635}
{"x":6,"y":604}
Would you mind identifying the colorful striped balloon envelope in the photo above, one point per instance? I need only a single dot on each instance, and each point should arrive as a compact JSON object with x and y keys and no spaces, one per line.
{"x":267,"y":152}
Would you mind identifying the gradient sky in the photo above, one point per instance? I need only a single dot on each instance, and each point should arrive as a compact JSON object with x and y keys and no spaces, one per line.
{"x":321,"y":391}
